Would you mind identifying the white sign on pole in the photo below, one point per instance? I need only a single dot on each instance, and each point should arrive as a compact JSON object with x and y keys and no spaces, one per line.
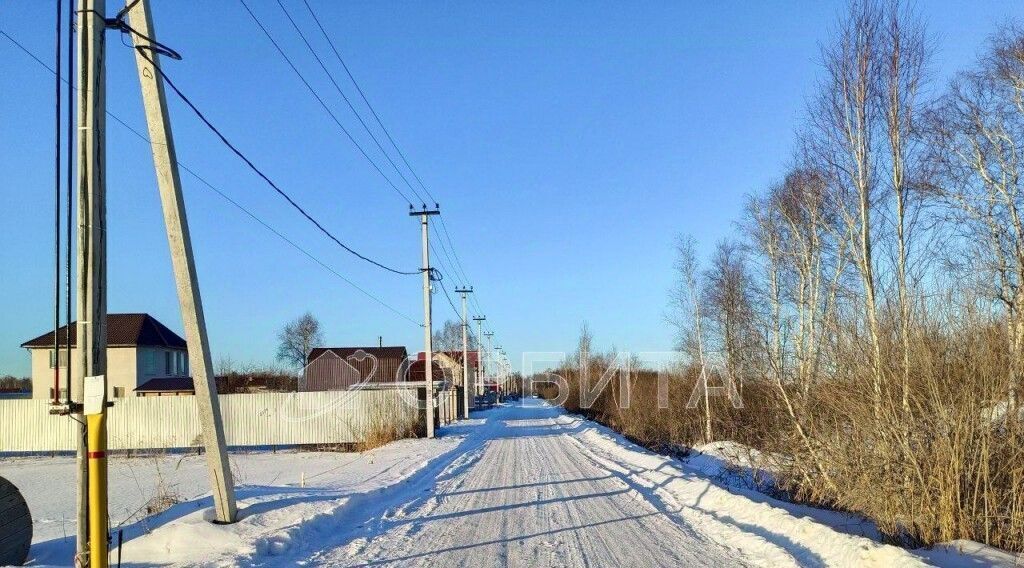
{"x":95,"y":387}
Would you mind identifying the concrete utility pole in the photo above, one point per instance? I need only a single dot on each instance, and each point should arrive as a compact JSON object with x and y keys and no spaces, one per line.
{"x":428,"y":339}
{"x":91,"y":305}
{"x":487,"y":355}
{"x":465,"y":351}
{"x":501,"y":372}
{"x":479,"y":354}
{"x":166,"y":162}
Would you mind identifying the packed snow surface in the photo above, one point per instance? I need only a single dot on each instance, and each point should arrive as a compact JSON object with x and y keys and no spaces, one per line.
{"x":514,"y":486}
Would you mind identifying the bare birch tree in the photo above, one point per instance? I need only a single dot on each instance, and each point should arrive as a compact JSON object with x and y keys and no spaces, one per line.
{"x":297,"y":338}
{"x":730,"y":316}
{"x":903,"y":55}
{"x":689,"y":320}
{"x":844,"y":122}
{"x":978,"y":131}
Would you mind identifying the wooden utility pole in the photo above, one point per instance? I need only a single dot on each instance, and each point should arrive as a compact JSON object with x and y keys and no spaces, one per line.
{"x":91,"y":306}
{"x":169,"y":182}
{"x":465,"y":351}
{"x":479,"y":354}
{"x":428,"y":339}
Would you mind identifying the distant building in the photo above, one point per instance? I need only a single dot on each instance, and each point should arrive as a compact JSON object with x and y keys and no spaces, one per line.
{"x":339,"y":368}
{"x":139,"y":348}
{"x":447,"y":365}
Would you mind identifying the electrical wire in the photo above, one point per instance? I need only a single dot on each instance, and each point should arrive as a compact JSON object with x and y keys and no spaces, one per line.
{"x":248,"y":162}
{"x":451,"y":244}
{"x":70,"y":153}
{"x":348,"y":102}
{"x":249,"y":213}
{"x":337,"y":54}
{"x":366,"y":100}
{"x":322,"y":103}
{"x":450,"y":302}
{"x":56,"y":209}
{"x":297,"y":246}
{"x":451,"y":264}
{"x":440,"y":260}
{"x":453,"y":258}
{"x":454,"y":263}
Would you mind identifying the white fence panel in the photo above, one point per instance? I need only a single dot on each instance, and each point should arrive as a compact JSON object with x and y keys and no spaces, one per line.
{"x":263,"y":419}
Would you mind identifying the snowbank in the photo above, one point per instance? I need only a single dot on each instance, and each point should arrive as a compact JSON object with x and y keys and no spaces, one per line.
{"x":711,"y":491}
{"x":283,"y":499}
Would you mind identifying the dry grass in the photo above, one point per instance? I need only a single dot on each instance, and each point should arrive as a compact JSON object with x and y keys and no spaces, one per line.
{"x":951,"y":468}
{"x":384,"y":425}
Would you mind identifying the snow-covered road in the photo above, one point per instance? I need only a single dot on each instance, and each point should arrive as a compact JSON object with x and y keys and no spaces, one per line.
{"x":524,"y":494}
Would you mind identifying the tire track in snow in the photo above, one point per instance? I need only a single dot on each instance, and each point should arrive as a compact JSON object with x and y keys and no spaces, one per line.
{"x":530,"y":497}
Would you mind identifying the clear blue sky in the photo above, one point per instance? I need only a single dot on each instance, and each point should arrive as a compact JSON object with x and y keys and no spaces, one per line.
{"x":567,"y":142}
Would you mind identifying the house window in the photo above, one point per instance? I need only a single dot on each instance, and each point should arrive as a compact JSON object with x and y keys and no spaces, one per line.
{"x":61,"y":356}
{"x":118,"y":392}
{"x":167,"y":362}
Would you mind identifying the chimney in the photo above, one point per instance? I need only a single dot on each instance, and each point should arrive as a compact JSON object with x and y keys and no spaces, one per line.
{"x":380,"y":341}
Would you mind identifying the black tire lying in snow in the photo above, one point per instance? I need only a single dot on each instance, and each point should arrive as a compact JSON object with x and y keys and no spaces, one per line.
{"x":15,"y":525}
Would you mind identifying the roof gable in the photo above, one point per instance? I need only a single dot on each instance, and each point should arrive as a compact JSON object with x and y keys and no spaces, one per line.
{"x":123,"y":330}
{"x":389,"y":352}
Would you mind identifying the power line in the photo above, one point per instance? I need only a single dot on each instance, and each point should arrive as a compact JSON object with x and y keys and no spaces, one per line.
{"x":322,"y":103}
{"x":117,"y":119}
{"x":242,"y":208}
{"x":366,"y":100}
{"x":458,"y":314}
{"x":70,"y":126}
{"x":454,"y":257}
{"x":56,"y":209}
{"x":457,"y":267}
{"x":387,"y":133}
{"x":451,"y":244}
{"x":260,"y":173}
{"x":455,"y":263}
{"x":449,"y":268}
{"x":298,"y":247}
{"x":351,"y":107}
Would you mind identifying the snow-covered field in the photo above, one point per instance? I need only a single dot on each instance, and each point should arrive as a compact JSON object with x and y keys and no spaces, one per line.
{"x":513,"y":486}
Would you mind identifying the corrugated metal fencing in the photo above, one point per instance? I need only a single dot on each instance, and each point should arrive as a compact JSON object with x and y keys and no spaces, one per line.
{"x":263,"y":419}
{"x":448,"y":406}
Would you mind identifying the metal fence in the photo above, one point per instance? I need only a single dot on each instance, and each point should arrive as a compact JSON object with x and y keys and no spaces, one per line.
{"x":262,"y":419}
{"x":448,"y":409}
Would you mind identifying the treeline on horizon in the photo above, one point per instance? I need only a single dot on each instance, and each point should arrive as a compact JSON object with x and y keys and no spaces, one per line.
{"x":10,"y":383}
{"x":868,"y":309}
